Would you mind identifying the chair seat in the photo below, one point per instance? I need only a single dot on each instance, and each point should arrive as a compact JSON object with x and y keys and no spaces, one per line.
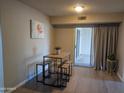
{"x":66,"y":66}
{"x":69,"y":62}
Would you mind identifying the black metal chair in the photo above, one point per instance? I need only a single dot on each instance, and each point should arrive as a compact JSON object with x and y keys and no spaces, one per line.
{"x":48,"y":62}
{"x":66,"y":71}
{"x":63,"y":73}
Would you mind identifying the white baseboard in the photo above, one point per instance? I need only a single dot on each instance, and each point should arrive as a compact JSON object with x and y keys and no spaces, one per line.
{"x":121,"y":78}
{"x":20,"y":84}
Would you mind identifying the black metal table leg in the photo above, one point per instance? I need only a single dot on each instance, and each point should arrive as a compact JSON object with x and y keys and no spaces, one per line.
{"x":61,"y":73}
{"x":43,"y":70}
{"x":36,"y":72}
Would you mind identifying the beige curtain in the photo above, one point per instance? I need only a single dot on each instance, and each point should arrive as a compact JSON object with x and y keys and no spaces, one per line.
{"x":104,"y":43}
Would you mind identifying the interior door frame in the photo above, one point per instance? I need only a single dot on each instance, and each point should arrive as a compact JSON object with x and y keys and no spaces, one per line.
{"x":1,"y":60}
{"x":77,"y":44}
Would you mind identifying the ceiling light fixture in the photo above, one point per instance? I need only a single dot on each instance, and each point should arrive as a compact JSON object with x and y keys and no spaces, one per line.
{"x":79,"y":8}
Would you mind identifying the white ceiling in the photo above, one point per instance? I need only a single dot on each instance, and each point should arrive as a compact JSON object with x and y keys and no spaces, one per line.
{"x":65,"y":7}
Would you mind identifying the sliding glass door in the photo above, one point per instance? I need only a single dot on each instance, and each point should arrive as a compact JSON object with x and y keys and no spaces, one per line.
{"x":83,"y":46}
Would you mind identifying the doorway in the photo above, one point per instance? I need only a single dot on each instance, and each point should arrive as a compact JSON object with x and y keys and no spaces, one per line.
{"x":83,"y":46}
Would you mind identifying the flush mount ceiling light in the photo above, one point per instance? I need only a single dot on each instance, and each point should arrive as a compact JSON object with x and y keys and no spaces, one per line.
{"x":78,"y":8}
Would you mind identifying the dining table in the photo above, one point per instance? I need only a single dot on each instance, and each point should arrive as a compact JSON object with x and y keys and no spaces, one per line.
{"x":56,"y":58}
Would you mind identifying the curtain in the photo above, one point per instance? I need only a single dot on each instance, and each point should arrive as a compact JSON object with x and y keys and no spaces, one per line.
{"x":104,"y":43}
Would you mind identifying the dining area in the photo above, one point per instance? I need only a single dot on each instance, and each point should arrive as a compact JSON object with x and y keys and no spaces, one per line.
{"x":56,"y":74}
{"x":56,"y":69}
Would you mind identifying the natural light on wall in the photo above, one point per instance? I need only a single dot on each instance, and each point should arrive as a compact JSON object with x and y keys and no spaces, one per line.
{"x":79,"y":8}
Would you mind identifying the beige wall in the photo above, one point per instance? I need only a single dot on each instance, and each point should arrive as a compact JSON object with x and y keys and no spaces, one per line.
{"x":121,"y":51}
{"x":64,"y":37}
{"x":91,"y":18}
{"x":20,"y":51}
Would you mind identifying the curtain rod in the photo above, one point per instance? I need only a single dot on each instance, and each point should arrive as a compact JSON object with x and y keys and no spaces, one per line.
{"x":85,"y":25}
